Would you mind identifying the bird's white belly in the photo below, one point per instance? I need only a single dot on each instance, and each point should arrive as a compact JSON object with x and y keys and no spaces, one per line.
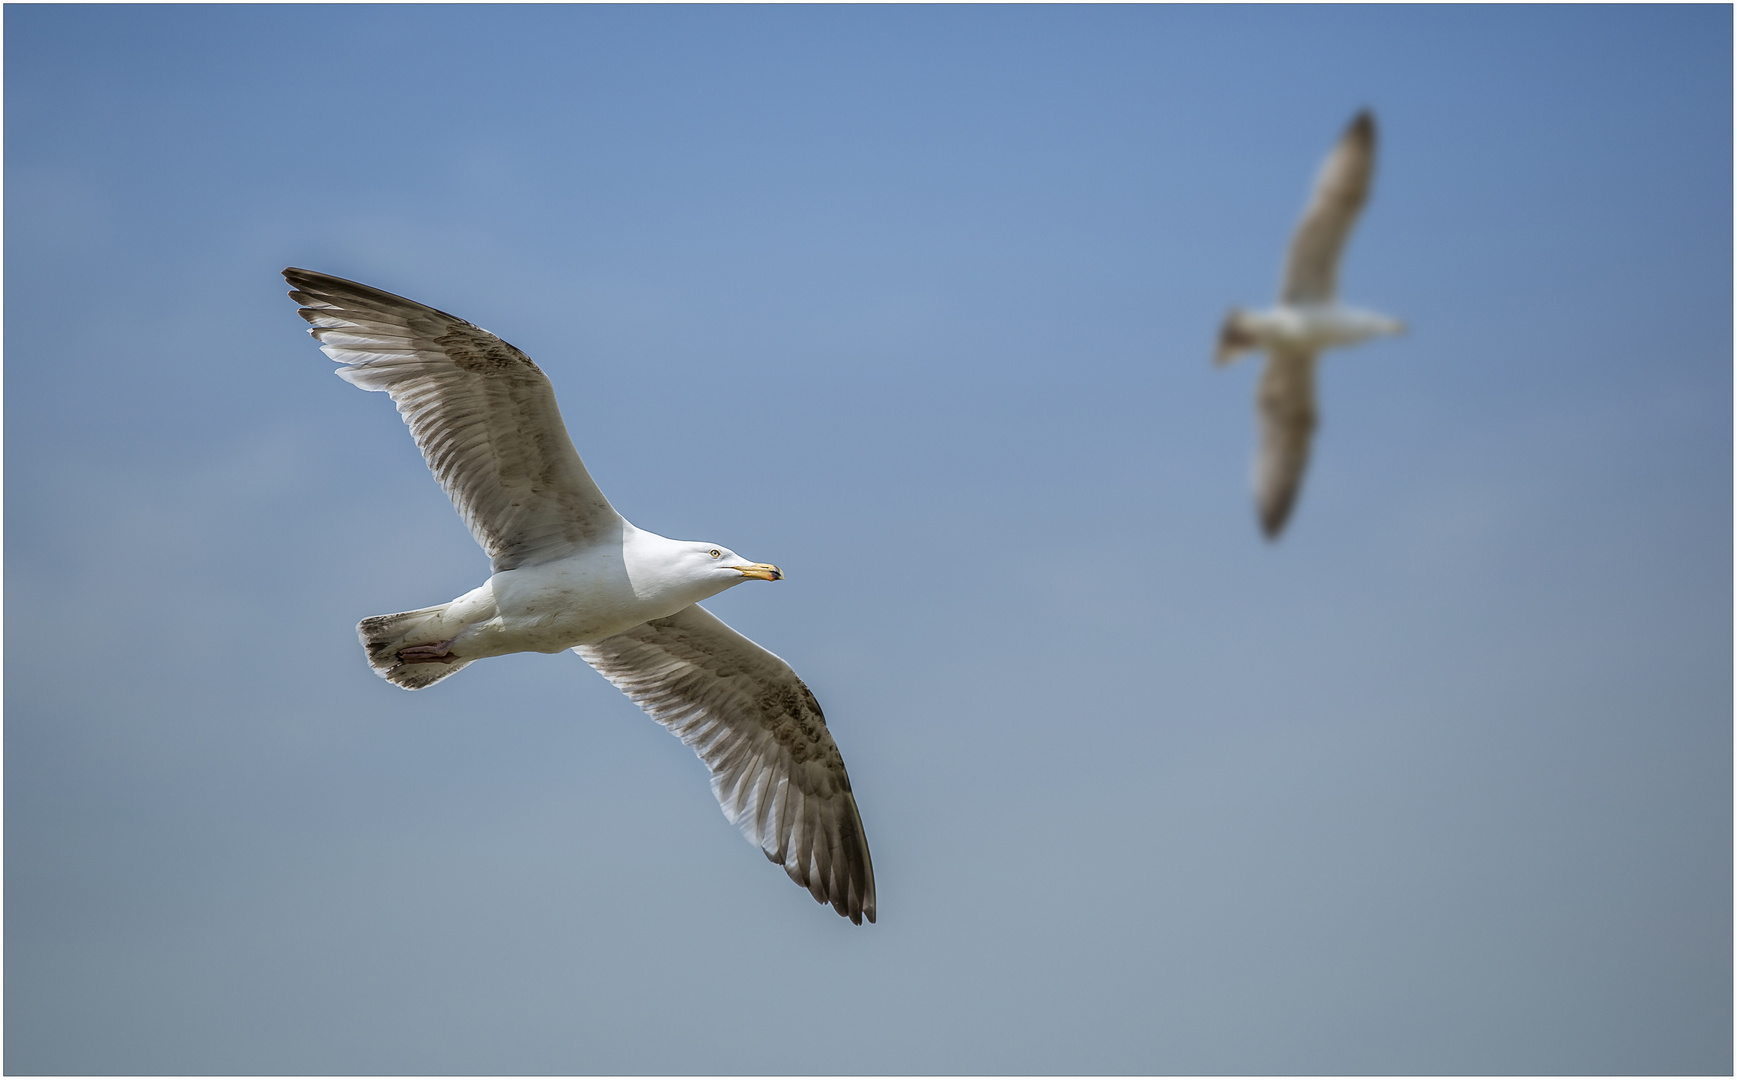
{"x":555,"y":606}
{"x":1313,"y":327}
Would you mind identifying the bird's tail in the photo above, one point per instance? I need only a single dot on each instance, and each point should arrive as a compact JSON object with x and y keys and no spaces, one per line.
{"x":385,"y":636}
{"x":1233,"y":340}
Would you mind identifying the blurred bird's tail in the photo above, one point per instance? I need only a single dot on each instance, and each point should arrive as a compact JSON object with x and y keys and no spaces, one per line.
{"x":1233,"y":339}
{"x":423,"y":633}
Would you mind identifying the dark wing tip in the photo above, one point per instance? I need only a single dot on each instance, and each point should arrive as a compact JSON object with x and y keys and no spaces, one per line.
{"x":313,"y":280}
{"x":312,"y":287}
{"x":328,"y":287}
{"x":1362,"y":126}
{"x":301,"y":279}
{"x":1273,"y":519}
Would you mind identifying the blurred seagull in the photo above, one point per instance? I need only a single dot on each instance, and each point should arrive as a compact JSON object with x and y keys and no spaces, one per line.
{"x":571,"y":573}
{"x":1308,"y":318}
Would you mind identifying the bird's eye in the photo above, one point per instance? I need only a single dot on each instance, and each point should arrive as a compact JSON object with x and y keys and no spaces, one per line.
{"x":716,"y":554}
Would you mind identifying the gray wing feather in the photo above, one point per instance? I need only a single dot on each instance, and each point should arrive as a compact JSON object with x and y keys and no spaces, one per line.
{"x":776,"y":772}
{"x":482,"y":413}
{"x":1312,"y":270}
{"x":1287,"y":413}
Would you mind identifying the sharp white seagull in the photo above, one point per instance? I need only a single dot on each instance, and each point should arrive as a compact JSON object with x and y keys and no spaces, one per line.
{"x":1307,"y":319}
{"x":571,"y":573}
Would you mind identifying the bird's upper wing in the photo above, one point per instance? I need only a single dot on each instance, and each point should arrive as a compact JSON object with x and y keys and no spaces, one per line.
{"x":1311,"y":271}
{"x":482,"y":413}
{"x":1287,"y":412}
{"x":775,"y":769}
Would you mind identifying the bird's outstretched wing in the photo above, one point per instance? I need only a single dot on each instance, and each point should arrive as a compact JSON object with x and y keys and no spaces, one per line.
{"x":1287,"y":412}
{"x":1312,"y":270}
{"x":482,"y":413}
{"x":775,"y":769}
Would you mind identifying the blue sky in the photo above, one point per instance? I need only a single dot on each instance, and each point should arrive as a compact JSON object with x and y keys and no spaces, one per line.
{"x":917,"y":303}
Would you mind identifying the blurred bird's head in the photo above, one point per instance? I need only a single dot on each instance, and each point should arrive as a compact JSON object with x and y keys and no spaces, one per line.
{"x":1234,"y":338}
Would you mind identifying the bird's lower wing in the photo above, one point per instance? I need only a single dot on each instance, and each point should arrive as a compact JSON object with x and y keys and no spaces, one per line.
{"x":776,"y":772}
{"x":1287,"y":415}
{"x":482,"y":413}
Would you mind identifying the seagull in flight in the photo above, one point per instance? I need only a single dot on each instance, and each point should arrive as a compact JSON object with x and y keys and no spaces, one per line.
{"x":570,"y":573}
{"x":1307,"y":319}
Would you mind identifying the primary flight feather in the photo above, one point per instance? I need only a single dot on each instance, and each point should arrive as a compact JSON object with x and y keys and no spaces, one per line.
{"x":571,"y":573}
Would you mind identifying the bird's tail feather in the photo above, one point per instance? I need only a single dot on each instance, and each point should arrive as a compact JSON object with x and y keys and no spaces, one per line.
{"x":384,"y":635}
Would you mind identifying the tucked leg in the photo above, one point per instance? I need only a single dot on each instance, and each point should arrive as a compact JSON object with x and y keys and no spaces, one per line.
{"x":437,"y":653}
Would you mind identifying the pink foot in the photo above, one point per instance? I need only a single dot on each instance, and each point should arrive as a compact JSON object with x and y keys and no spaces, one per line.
{"x":427,"y":654}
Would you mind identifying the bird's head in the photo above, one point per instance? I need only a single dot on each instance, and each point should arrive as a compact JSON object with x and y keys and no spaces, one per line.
{"x":717,"y":568}
{"x":688,"y":570}
{"x":1234,"y":337}
{"x":728,"y":563}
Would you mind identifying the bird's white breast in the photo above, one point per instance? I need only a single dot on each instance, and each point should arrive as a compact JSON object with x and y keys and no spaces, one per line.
{"x":1312,"y":327}
{"x":595,"y":593}
{"x":583,"y":598}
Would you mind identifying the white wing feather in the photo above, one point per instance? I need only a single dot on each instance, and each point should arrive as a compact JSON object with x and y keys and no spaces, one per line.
{"x":1312,"y":269}
{"x":482,"y":413}
{"x":776,"y":772}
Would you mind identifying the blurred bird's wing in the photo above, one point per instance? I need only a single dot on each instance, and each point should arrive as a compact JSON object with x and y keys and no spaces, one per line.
{"x":482,"y":413}
{"x":1287,"y":414}
{"x":775,"y":769}
{"x":1311,"y":271}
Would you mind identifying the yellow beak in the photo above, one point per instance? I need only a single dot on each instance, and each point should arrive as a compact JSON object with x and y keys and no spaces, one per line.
{"x":764,"y":571}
